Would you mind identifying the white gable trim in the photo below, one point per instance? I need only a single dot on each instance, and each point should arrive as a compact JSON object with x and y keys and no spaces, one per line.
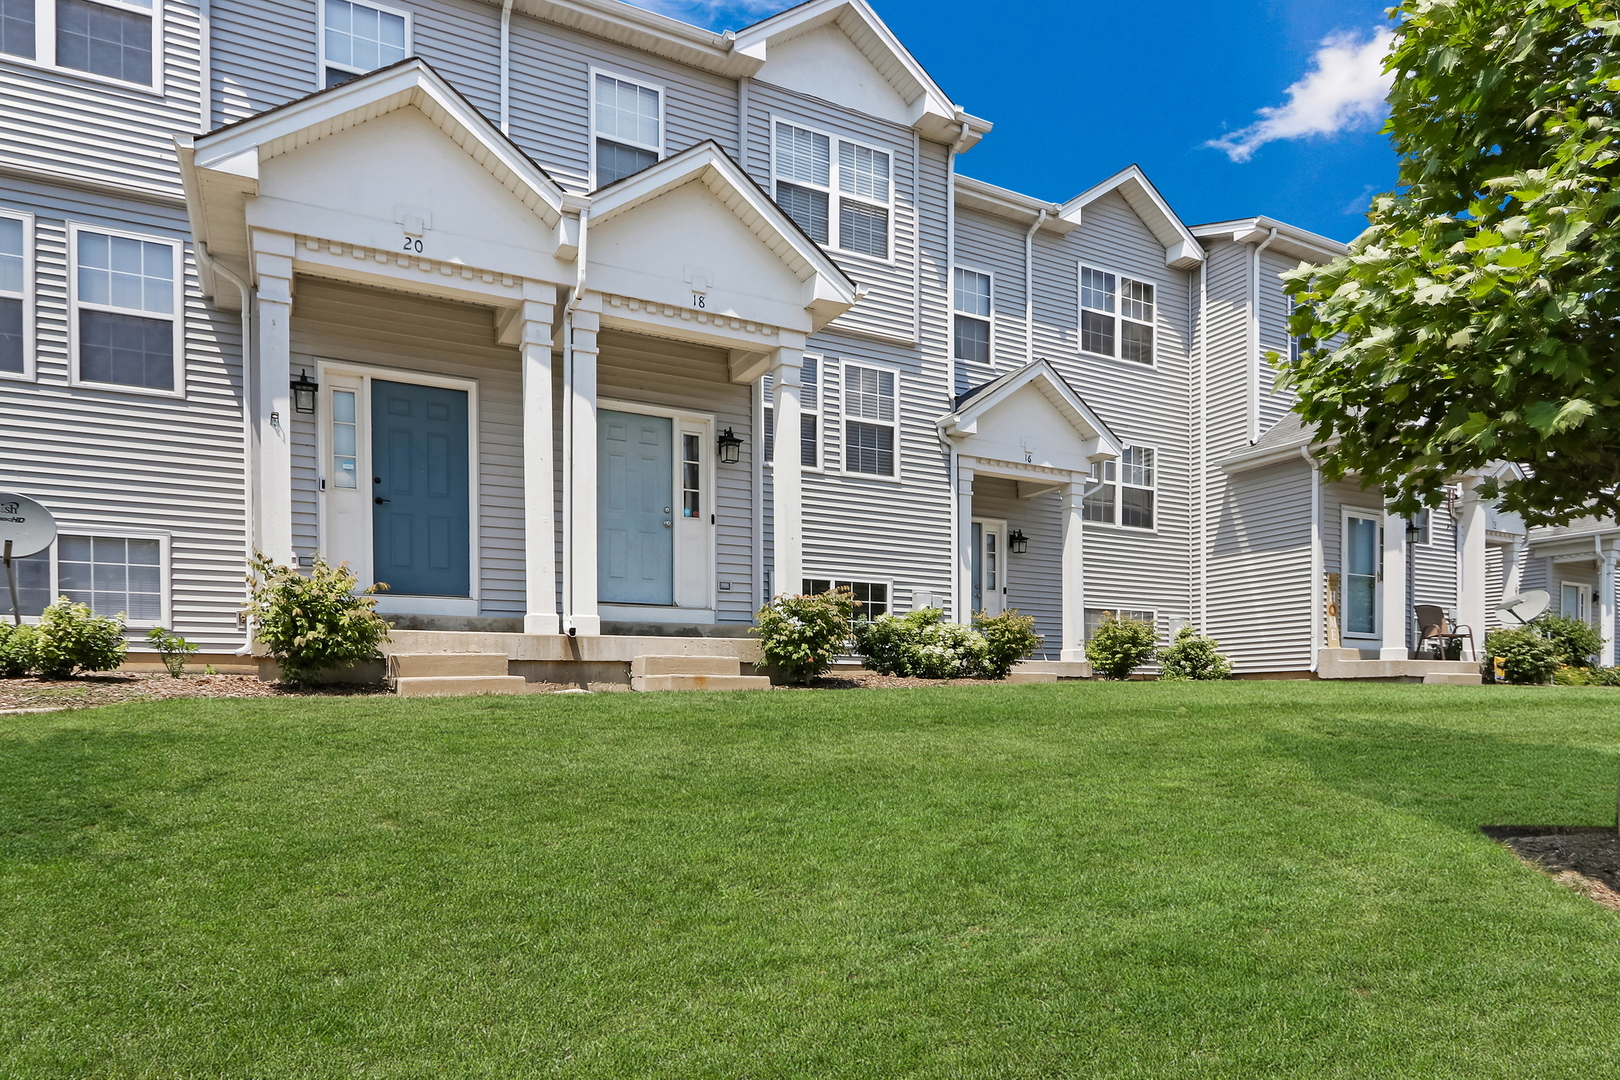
{"x":963,"y":423}
{"x":1181,"y":248}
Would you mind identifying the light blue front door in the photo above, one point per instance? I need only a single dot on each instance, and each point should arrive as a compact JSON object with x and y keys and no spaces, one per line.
{"x":420,"y":489}
{"x":634,"y":503}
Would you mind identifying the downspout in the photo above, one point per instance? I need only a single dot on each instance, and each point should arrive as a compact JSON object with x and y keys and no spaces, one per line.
{"x":1203,"y":446}
{"x":950,"y":287}
{"x":248,"y":521}
{"x":205,"y":66}
{"x":568,"y":424}
{"x":1317,"y":583}
{"x":506,"y":67}
{"x":1029,"y":288}
{"x":1254,"y":341}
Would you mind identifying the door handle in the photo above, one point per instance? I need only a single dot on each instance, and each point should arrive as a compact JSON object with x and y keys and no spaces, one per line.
{"x":379,"y":500}
{"x":667,"y":525}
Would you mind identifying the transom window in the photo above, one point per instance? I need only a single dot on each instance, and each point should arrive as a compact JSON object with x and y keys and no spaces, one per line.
{"x":126,"y":298}
{"x":359,"y":38}
{"x":628,"y":127}
{"x":1124,"y":494}
{"x":971,"y":299}
{"x":1117,"y":316}
{"x":869,"y":420}
{"x":848,"y":191}
{"x":110,"y":38}
{"x":872,"y":596}
{"x":111,"y":574}
{"x":809,"y":416}
{"x":15,"y":316}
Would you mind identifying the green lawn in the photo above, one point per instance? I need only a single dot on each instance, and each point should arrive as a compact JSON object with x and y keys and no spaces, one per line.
{"x":1240,"y":879}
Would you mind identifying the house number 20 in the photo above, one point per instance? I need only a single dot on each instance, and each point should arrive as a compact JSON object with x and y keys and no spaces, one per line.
{"x":412,"y":243}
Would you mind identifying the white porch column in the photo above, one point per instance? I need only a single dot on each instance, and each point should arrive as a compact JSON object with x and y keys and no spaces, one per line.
{"x":272,"y":465}
{"x":787,"y":477}
{"x":580,"y":611}
{"x":1395,"y":615}
{"x":1510,"y":569}
{"x":1606,"y":582}
{"x":1471,"y":568}
{"x":962,"y":603}
{"x":539,"y":475}
{"x":1071,"y":500}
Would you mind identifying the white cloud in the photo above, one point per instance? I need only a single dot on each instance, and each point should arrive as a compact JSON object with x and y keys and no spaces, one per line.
{"x":1344,"y":89}
{"x":716,"y":14}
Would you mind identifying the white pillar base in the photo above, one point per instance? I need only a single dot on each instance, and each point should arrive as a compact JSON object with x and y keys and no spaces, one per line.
{"x":542,"y":624}
{"x":583,"y":626}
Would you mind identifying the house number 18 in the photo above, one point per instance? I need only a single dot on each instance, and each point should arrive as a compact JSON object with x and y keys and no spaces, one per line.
{"x":700,"y":300}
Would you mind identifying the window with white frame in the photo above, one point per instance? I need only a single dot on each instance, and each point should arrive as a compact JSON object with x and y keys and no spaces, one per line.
{"x":869,"y":420}
{"x":111,"y":38}
{"x":357,"y":38}
{"x":1122,"y":492}
{"x":15,"y":317}
{"x":112,"y":574}
{"x":126,"y":299}
{"x":838,"y":191}
{"x":1117,"y":316}
{"x":971,"y":300}
{"x":1095,"y":616}
{"x":871,"y":596}
{"x":628,"y":126}
{"x":809,"y":416}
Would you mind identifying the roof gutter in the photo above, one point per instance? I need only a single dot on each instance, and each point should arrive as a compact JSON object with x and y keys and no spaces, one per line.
{"x":506,"y":67}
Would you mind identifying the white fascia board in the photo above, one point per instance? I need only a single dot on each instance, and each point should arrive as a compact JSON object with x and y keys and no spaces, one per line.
{"x":1180,"y":244}
{"x":1014,"y":206}
{"x":1291,"y":240}
{"x":237,"y":147}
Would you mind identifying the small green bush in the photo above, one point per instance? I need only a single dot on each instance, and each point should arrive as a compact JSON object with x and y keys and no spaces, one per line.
{"x":800,"y":635}
{"x":1008,"y":638}
{"x":922,"y":645}
{"x":1577,"y":640}
{"x":18,"y":645}
{"x":1604,"y":676}
{"x":1573,"y":676}
{"x":313,"y":623}
{"x":172,"y":647}
{"x":1120,"y":646}
{"x":1193,"y":657}
{"x":1527,"y":657}
{"x":71,"y":639}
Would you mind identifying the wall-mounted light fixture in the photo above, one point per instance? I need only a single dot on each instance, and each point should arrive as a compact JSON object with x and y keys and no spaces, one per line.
{"x":1017,"y":542}
{"x":729,"y":447}
{"x":303,"y":393}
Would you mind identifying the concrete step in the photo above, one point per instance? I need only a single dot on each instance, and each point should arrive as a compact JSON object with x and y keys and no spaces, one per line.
{"x":1454,"y":678}
{"x":459,"y":685}
{"x":449,"y":664}
{"x":1032,"y":677}
{"x":684,"y":665}
{"x":700,"y":682}
{"x":1063,"y":669}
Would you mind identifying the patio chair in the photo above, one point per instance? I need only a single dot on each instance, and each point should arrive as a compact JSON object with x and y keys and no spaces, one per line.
{"x":1434,"y":626}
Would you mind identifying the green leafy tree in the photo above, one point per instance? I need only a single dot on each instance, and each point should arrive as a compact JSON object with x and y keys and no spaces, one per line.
{"x":1475,"y":320}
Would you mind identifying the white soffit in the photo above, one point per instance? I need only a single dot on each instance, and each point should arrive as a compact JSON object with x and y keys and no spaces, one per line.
{"x":1181,"y":247}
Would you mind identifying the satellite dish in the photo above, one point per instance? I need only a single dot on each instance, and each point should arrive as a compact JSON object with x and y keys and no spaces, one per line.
{"x":26,"y":528}
{"x":1524,"y":607}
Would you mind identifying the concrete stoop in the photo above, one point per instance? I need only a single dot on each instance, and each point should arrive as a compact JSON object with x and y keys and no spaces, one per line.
{"x":1348,"y":664}
{"x":1058,"y":669}
{"x":653,"y":672}
{"x":452,"y":674}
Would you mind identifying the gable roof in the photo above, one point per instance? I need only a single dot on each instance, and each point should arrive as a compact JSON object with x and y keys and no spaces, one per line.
{"x":962,"y":421}
{"x":1289,"y":240}
{"x":1181,"y":248}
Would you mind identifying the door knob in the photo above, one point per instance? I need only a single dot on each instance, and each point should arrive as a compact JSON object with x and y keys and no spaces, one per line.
{"x":667,"y":525}
{"x":379,"y":500}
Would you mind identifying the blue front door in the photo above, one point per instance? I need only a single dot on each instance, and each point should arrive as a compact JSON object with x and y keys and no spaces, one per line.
{"x":420,"y":489}
{"x":634,"y":500}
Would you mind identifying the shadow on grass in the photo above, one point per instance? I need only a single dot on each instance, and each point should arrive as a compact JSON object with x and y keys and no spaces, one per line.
{"x":1461,"y":779}
{"x":60,"y":793}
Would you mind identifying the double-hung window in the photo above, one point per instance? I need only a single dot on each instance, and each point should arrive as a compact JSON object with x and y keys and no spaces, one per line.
{"x":869,"y":420}
{"x":809,"y":416}
{"x":972,"y":303}
{"x":1117,"y":316}
{"x":1123,"y":491}
{"x":838,"y":191}
{"x":16,"y":293}
{"x":112,"y":574}
{"x":872,"y":596}
{"x":627,"y":126}
{"x":357,"y":38}
{"x":110,"y":38}
{"x":126,"y":299}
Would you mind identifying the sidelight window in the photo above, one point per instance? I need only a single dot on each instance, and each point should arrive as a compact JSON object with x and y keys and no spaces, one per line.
{"x":691,"y":475}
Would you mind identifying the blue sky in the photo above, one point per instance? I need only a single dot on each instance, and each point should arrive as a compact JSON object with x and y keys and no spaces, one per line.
{"x":1078,"y":91}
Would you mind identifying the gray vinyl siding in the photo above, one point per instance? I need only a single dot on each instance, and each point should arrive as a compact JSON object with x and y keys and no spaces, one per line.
{"x":122,"y":463}
{"x":1274,"y":309}
{"x":435,"y":337}
{"x":1434,"y":580}
{"x":994,"y":246}
{"x":264,"y":55}
{"x":64,"y":123}
{"x":678,"y":375}
{"x":1033,"y":579}
{"x":1260,"y":588}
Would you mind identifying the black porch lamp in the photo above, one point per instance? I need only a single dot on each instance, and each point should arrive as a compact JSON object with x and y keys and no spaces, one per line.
{"x":1017,"y":542}
{"x":730,"y":447}
{"x":303,"y":393}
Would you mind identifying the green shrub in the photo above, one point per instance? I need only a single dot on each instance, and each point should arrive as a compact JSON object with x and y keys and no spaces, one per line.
{"x":1527,"y":657}
{"x":1577,"y":640}
{"x":1604,"y":676}
{"x":800,"y":635}
{"x":922,"y":645}
{"x":1573,"y":676}
{"x":1008,"y":638}
{"x":18,"y":645}
{"x":313,"y":623}
{"x":71,"y":640}
{"x":172,"y":647}
{"x":1120,"y":646}
{"x":1192,"y":656}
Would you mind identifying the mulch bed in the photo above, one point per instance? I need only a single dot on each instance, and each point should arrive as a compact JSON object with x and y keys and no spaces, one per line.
{"x":92,"y":690}
{"x":1583,"y":858}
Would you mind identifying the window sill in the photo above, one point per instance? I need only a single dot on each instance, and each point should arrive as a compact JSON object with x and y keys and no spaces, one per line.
{"x":147,"y":89}
{"x":122,"y":388}
{"x":1149,"y":364}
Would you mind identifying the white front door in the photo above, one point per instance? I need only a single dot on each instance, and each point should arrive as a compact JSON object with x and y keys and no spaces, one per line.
{"x":1361,"y":583}
{"x":1572,"y":601}
{"x":989,"y":566}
